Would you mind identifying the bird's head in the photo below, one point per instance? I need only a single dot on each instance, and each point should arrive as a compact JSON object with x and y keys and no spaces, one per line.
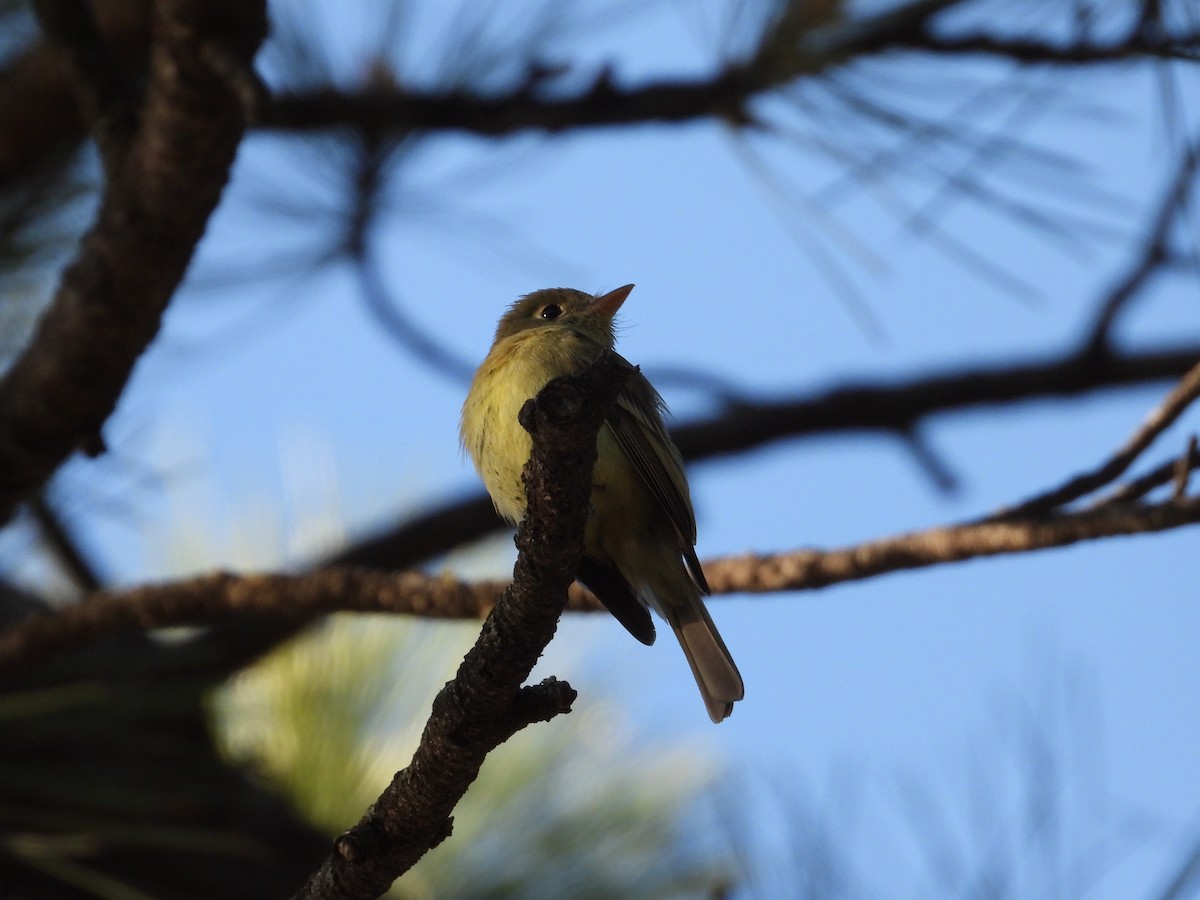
{"x":589,"y":316}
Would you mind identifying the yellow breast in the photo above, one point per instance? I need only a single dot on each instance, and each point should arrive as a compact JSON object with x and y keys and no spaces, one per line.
{"x":514,"y":371}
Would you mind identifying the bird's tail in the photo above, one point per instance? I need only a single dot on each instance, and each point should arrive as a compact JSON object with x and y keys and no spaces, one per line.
{"x":716,"y":674}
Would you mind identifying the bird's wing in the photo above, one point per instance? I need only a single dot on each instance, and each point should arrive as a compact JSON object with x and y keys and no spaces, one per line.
{"x":636,"y":422}
{"x":609,"y":585}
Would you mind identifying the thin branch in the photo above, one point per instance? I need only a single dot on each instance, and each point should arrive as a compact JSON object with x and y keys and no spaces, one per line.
{"x":59,"y":392}
{"x":1185,"y":878}
{"x":1161,"y":418}
{"x":402,"y":328}
{"x":1175,"y":471}
{"x":900,"y":406}
{"x":1155,"y":253}
{"x":1035,"y":524}
{"x":1182,"y":46}
{"x":64,"y":546}
{"x":485,"y":703}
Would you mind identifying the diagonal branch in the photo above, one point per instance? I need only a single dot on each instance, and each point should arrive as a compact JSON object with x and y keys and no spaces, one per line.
{"x":104,"y":94}
{"x":58,"y":394}
{"x":64,"y":546}
{"x":1155,"y":252}
{"x":486,"y":704}
{"x":37,"y":88}
{"x":1186,"y":877}
{"x":1161,"y":418}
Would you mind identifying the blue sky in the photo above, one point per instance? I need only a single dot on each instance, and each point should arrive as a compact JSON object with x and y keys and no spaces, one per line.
{"x":919,"y":675}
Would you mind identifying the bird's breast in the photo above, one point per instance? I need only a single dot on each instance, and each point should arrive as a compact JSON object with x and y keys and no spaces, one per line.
{"x":514,"y":371}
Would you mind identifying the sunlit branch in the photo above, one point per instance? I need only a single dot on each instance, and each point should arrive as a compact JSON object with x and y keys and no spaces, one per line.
{"x":215,"y":598}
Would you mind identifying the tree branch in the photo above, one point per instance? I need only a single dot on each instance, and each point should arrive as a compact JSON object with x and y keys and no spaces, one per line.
{"x":808,"y":569}
{"x":221,"y":597}
{"x":1182,"y":46}
{"x":791,"y":47}
{"x":1160,"y":418}
{"x":783,"y":56}
{"x":1155,"y":251}
{"x":1185,"y":878}
{"x":485,"y":703}
{"x":64,"y":546}
{"x":101,"y":86}
{"x":58,"y":393}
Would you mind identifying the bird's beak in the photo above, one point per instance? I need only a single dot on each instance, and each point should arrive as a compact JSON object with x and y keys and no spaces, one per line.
{"x":608,"y":304}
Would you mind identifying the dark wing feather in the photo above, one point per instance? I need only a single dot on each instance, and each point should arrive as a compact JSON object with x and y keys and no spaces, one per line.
{"x":603,"y":580}
{"x":637,"y":424}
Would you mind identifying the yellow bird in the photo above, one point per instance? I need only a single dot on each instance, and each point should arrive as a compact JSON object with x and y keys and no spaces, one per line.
{"x":639,"y":545}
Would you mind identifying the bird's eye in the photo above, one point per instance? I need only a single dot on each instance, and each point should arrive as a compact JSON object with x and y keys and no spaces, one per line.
{"x":551,"y":311}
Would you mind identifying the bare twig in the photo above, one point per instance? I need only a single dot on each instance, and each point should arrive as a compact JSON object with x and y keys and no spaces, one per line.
{"x":1155,"y":252}
{"x":807,"y":569}
{"x":1171,"y":471}
{"x":219,"y":597}
{"x":64,"y":545}
{"x":1161,"y":418}
{"x":1185,"y":878}
{"x":1184,"y":466}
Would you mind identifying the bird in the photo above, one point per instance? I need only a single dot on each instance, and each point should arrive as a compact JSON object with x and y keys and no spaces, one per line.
{"x":640,"y":536}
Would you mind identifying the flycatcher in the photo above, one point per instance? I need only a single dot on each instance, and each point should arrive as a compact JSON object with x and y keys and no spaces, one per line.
{"x":639,"y":543}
